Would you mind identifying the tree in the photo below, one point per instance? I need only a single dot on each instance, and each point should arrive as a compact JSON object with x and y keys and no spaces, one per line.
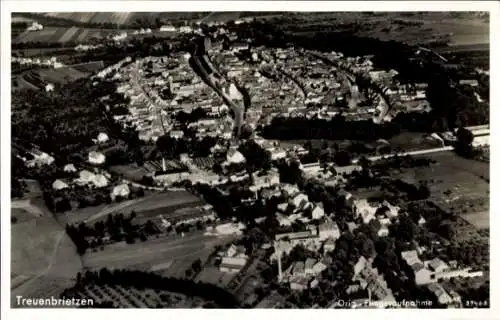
{"x":342,"y":158}
{"x":463,"y":145}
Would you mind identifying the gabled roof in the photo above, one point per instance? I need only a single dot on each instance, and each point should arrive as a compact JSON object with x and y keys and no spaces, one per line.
{"x":310,"y":262}
{"x":436,"y":263}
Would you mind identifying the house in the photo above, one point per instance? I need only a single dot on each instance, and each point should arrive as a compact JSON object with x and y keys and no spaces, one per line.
{"x":185,"y":29}
{"x":86,"y":176}
{"x":35,"y":26}
{"x":59,"y":185}
{"x":49,"y":87}
{"x":69,"y":168}
{"x":440,"y":293}
{"x":100,"y":181}
{"x":314,"y":283}
{"x":437,"y":265}
{"x":360,"y":265}
{"x":169,"y":178}
{"x":298,"y":269}
{"x":393,"y":210}
{"x":421,"y":274}
{"x":264,"y":181}
{"x":283,"y":220}
{"x":235,"y":251}
{"x":311,"y":168}
{"x":468,"y":82}
{"x":121,"y":190}
{"x":234,"y":259}
{"x":289,"y":189}
{"x":318,"y":212}
{"x":329,"y":245}
{"x":319,"y":267}
{"x":364,"y":210}
{"x":371,"y":280}
{"x":177,"y":134}
{"x":328,"y":229}
{"x":341,"y":170}
{"x":300,"y":201}
{"x":167,"y":28}
{"x":309,"y":266}
{"x":102,"y":137}
{"x":421,"y":221}
{"x":232,"y":264}
{"x":226,"y":229}
{"x":96,"y":157}
{"x":383,"y":231}
{"x":278,"y":154}
{"x":298,"y":284}
{"x":234,"y":156}
{"x":282,"y":206}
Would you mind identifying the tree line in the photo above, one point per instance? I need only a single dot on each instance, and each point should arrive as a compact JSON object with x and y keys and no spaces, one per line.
{"x":148,"y":280}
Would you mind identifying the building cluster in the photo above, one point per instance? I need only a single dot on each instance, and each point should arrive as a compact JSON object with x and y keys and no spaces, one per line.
{"x":88,"y":47}
{"x":47,"y":62}
{"x":429,"y":273}
{"x":160,"y":87}
{"x":366,"y":277}
{"x":233,"y":259}
{"x":35,"y":26}
{"x":142,"y":31}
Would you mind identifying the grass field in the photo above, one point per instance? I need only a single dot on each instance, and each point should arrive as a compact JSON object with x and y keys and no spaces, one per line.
{"x":170,"y":256}
{"x":211,"y":274}
{"x":130,"y":171}
{"x":62,"y":35}
{"x":145,"y":208}
{"x":37,"y":78}
{"x":43,"y":259}
{"x":456,"y":184}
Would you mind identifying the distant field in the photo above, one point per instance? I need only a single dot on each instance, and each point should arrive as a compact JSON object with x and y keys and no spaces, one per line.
{"x":123,"y":18}
{"x":94,"y":17}
{"x":62,"y":35}
{"x":464,"y":48}
{"x":456,"y":184}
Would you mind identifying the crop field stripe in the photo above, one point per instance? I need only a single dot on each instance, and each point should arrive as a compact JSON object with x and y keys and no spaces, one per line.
{"x":68,"y":35}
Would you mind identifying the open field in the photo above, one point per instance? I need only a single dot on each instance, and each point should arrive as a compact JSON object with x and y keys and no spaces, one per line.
{"x":456,"y":184}
{"x":146,"y":207}
{"x":130,"y":171}
{"x":37,"y":78}
{"x":170,"y":256}
{"x":62,"y":35}
{"x":31,"y":206}
{"x":211,"y":274}
{"x":43,"y":258}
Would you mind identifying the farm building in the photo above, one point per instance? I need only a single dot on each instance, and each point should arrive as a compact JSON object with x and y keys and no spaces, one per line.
{"x":96,"y":157}
{"x":234,"y":259}
{"x":102,"y":137}
{"x":59,"y":185}
{"x":69,"y":168}
{"x":121,"y":190}
{"x":49,"y":87}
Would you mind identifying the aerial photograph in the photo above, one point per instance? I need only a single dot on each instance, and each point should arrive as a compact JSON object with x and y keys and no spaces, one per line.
{"x":237,"y":159}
